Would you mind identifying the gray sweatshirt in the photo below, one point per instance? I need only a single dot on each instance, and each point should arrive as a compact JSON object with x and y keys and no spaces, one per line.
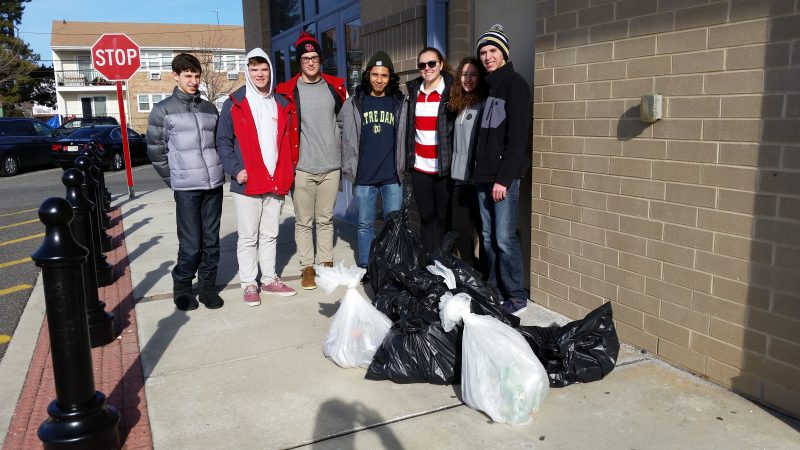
{"x":464,"y":142}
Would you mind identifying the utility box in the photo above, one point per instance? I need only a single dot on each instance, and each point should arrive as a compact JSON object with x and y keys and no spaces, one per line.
{"x":652,"y":108}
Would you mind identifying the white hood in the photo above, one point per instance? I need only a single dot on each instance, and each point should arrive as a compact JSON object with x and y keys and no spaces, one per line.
{"x":265,"y":113}
{"x":251,"y":87}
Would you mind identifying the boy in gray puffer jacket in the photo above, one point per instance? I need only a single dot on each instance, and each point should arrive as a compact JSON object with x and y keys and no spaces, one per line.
{"x":180,"y":144}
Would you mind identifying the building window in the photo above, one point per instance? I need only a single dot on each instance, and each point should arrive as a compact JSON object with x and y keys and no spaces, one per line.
{"x":156,"y":61}
{"x":229,"y":63}
{"x":284,"y":15}
{"x":146,"y":101}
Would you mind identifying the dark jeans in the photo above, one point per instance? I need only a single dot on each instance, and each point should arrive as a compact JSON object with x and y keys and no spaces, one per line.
{"x":466,"y":221}
{"x":197,"y":214}
{"x":500,"y":239}
{"x":432,"y":195}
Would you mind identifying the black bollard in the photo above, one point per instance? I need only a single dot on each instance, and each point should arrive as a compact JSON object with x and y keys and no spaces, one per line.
{"x":97,"y":159}
{"x":99,"y":175}
{"x":105,"y":220}
{"x":101,"y":323}
{"x":79,"y":416}
{"x":105,"y":271}
{"x":93,"y":193}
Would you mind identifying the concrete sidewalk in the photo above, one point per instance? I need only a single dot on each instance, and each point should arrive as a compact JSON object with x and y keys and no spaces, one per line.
{"x":256,"y":378}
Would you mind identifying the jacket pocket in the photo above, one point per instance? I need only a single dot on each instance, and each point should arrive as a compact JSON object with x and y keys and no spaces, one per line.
{"x":495,"y":113}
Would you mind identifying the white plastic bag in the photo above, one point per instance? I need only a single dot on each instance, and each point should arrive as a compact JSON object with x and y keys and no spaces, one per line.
{"x":357,"y":328}
{"x":500,"y":375}
{"x":445,"y":272}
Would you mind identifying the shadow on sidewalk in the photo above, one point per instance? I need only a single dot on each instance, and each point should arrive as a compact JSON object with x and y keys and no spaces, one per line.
{"x":128,"y":395}
{"x":351,"y":417}
{"x":143,"y":247}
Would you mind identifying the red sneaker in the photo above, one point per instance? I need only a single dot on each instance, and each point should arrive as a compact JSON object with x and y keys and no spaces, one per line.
{"x":250,"y":295}
{"x":277,"y":287}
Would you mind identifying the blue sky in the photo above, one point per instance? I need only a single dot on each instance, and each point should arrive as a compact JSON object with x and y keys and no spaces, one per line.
{"x":39,"y":14}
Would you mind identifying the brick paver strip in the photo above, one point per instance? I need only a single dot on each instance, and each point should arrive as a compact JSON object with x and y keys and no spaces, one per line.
{"x":117,"y":366}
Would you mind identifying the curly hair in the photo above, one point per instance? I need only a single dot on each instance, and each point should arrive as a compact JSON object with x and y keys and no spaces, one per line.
{"x":461,"y":99}
{"x":391,"y":89}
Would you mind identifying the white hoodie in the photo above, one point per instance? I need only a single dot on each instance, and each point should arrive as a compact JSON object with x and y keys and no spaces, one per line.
{"x":265,"y":113}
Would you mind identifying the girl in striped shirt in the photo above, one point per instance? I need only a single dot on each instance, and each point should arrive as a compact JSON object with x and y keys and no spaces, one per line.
{"x":430,"y":136}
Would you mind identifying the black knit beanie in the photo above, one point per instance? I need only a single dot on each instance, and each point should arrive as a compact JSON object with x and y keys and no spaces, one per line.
{"x":306,"y":43}
{"x":380,"y":59}
{"x":496,"y":37}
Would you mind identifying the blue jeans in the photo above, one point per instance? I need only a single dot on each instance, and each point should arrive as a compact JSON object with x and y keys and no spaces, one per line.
{"x":197,"y":215}
{"x":365,"y":196}
{"x":500,"y":239}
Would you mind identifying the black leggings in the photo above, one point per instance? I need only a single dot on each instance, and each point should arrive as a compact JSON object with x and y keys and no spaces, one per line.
{"x":466,"y":220}
{"x":432,"y":194}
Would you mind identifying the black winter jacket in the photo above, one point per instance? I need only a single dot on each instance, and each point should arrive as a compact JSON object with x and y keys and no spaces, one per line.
{"x":504,"y":136}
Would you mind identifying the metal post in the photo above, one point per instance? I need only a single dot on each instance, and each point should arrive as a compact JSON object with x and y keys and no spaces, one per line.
{"x":93,"y":154}
{"x":79,"y":417}
{"x":93,"y":192}
{"x":105,"y":271}
{"x":101,"y":323}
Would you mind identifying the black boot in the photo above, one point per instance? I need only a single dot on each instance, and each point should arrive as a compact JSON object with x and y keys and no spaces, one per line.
{"x":184,"y":297}
{"x":209,"y":296}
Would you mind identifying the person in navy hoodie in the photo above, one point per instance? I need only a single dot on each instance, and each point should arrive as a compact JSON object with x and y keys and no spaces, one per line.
{"x":254,"y":146}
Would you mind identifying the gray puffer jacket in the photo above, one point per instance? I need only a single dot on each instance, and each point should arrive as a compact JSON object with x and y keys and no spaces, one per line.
{"x":181,"y":142}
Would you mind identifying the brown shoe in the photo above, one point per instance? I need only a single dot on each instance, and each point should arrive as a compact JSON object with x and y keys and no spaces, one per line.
{"x":327,"y":264}
{"x":307,"y":281}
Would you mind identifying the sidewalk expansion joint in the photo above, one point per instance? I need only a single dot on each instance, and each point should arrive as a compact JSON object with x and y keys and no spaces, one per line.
{"x":370,"y":427}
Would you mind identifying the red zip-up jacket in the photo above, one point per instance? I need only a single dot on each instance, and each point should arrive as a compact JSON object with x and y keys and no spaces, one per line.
{"x":289,"y":90}
{"x":238,"y":147}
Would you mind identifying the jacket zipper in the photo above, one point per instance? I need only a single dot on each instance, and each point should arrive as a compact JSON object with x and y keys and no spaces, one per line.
{"x":193,"y":111}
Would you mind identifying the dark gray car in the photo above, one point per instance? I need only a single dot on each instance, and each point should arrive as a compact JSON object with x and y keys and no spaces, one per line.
{"x":24,"y":143}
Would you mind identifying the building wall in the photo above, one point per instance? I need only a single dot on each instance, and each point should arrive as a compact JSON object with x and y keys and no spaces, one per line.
{"x":398,"y":28}
{"x":691,"y":225}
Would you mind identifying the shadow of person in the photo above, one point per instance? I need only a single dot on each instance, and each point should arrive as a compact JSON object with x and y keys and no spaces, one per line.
{"x":339,"y":421}
{"x":286,"y":245}
{"x":228,"y":266}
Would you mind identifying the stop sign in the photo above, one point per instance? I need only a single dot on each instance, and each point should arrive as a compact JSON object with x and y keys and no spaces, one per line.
{"x":116,"y":56}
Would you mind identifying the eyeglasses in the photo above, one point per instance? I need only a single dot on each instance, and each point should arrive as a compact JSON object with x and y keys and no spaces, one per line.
{"x":308,"y":59}
{"x":430,"y":64}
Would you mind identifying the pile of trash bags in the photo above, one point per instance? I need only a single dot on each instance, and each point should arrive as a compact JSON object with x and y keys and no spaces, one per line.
{"x":432,"y":319}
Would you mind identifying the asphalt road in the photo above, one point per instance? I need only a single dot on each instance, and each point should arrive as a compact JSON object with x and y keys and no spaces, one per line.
{"x":21,"y":232}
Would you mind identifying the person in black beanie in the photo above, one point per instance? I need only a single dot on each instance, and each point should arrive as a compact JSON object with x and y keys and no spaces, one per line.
{"x":501,"y":160}
{"x":373,"y":123}
{"x":315,"y":98}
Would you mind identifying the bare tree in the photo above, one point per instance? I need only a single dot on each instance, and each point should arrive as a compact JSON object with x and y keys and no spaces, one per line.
{"x":217,"y":58}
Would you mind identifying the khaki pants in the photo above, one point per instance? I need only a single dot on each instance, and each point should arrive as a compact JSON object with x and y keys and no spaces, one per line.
{"x":257,"y":222}
{"x":314,"y":197}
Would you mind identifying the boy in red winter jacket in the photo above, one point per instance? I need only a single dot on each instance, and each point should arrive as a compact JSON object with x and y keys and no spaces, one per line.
{"x":314,"y":100}
{"x":254,"y":145}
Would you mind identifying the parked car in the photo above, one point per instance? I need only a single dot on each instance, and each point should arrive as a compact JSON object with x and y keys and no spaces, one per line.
{"x":108,"y":138}
{"x":24,"y":143}
{"x":79,"y":122}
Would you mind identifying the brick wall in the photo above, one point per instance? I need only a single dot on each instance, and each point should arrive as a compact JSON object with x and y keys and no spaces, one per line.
{"x":691,"y":225}
{"x":398,"y":28}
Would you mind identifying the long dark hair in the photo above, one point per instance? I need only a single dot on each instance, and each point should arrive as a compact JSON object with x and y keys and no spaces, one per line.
{"x":461,"y":99}
{"x":391,"y":89}
{"x":446,"y":67}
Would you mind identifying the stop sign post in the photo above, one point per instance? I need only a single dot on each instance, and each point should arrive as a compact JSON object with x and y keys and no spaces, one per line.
{"x":117,"y":58}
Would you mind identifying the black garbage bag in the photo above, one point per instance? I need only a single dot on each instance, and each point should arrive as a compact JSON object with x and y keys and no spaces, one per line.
{"x":416,"y":351}
{"x":395,"y":246}
{"x":579,"y":352}
{"x":395,"y":303}
{"x":486,"y":300}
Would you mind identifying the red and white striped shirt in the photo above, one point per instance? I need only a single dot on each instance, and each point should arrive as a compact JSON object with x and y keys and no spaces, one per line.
{"x":426,"y":114}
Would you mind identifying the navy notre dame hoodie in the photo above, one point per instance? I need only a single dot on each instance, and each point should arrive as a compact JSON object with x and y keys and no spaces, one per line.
{"x":504,"y":136}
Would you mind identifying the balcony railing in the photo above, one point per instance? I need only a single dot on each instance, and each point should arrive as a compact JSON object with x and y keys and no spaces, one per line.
{"x":88,"y":77}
